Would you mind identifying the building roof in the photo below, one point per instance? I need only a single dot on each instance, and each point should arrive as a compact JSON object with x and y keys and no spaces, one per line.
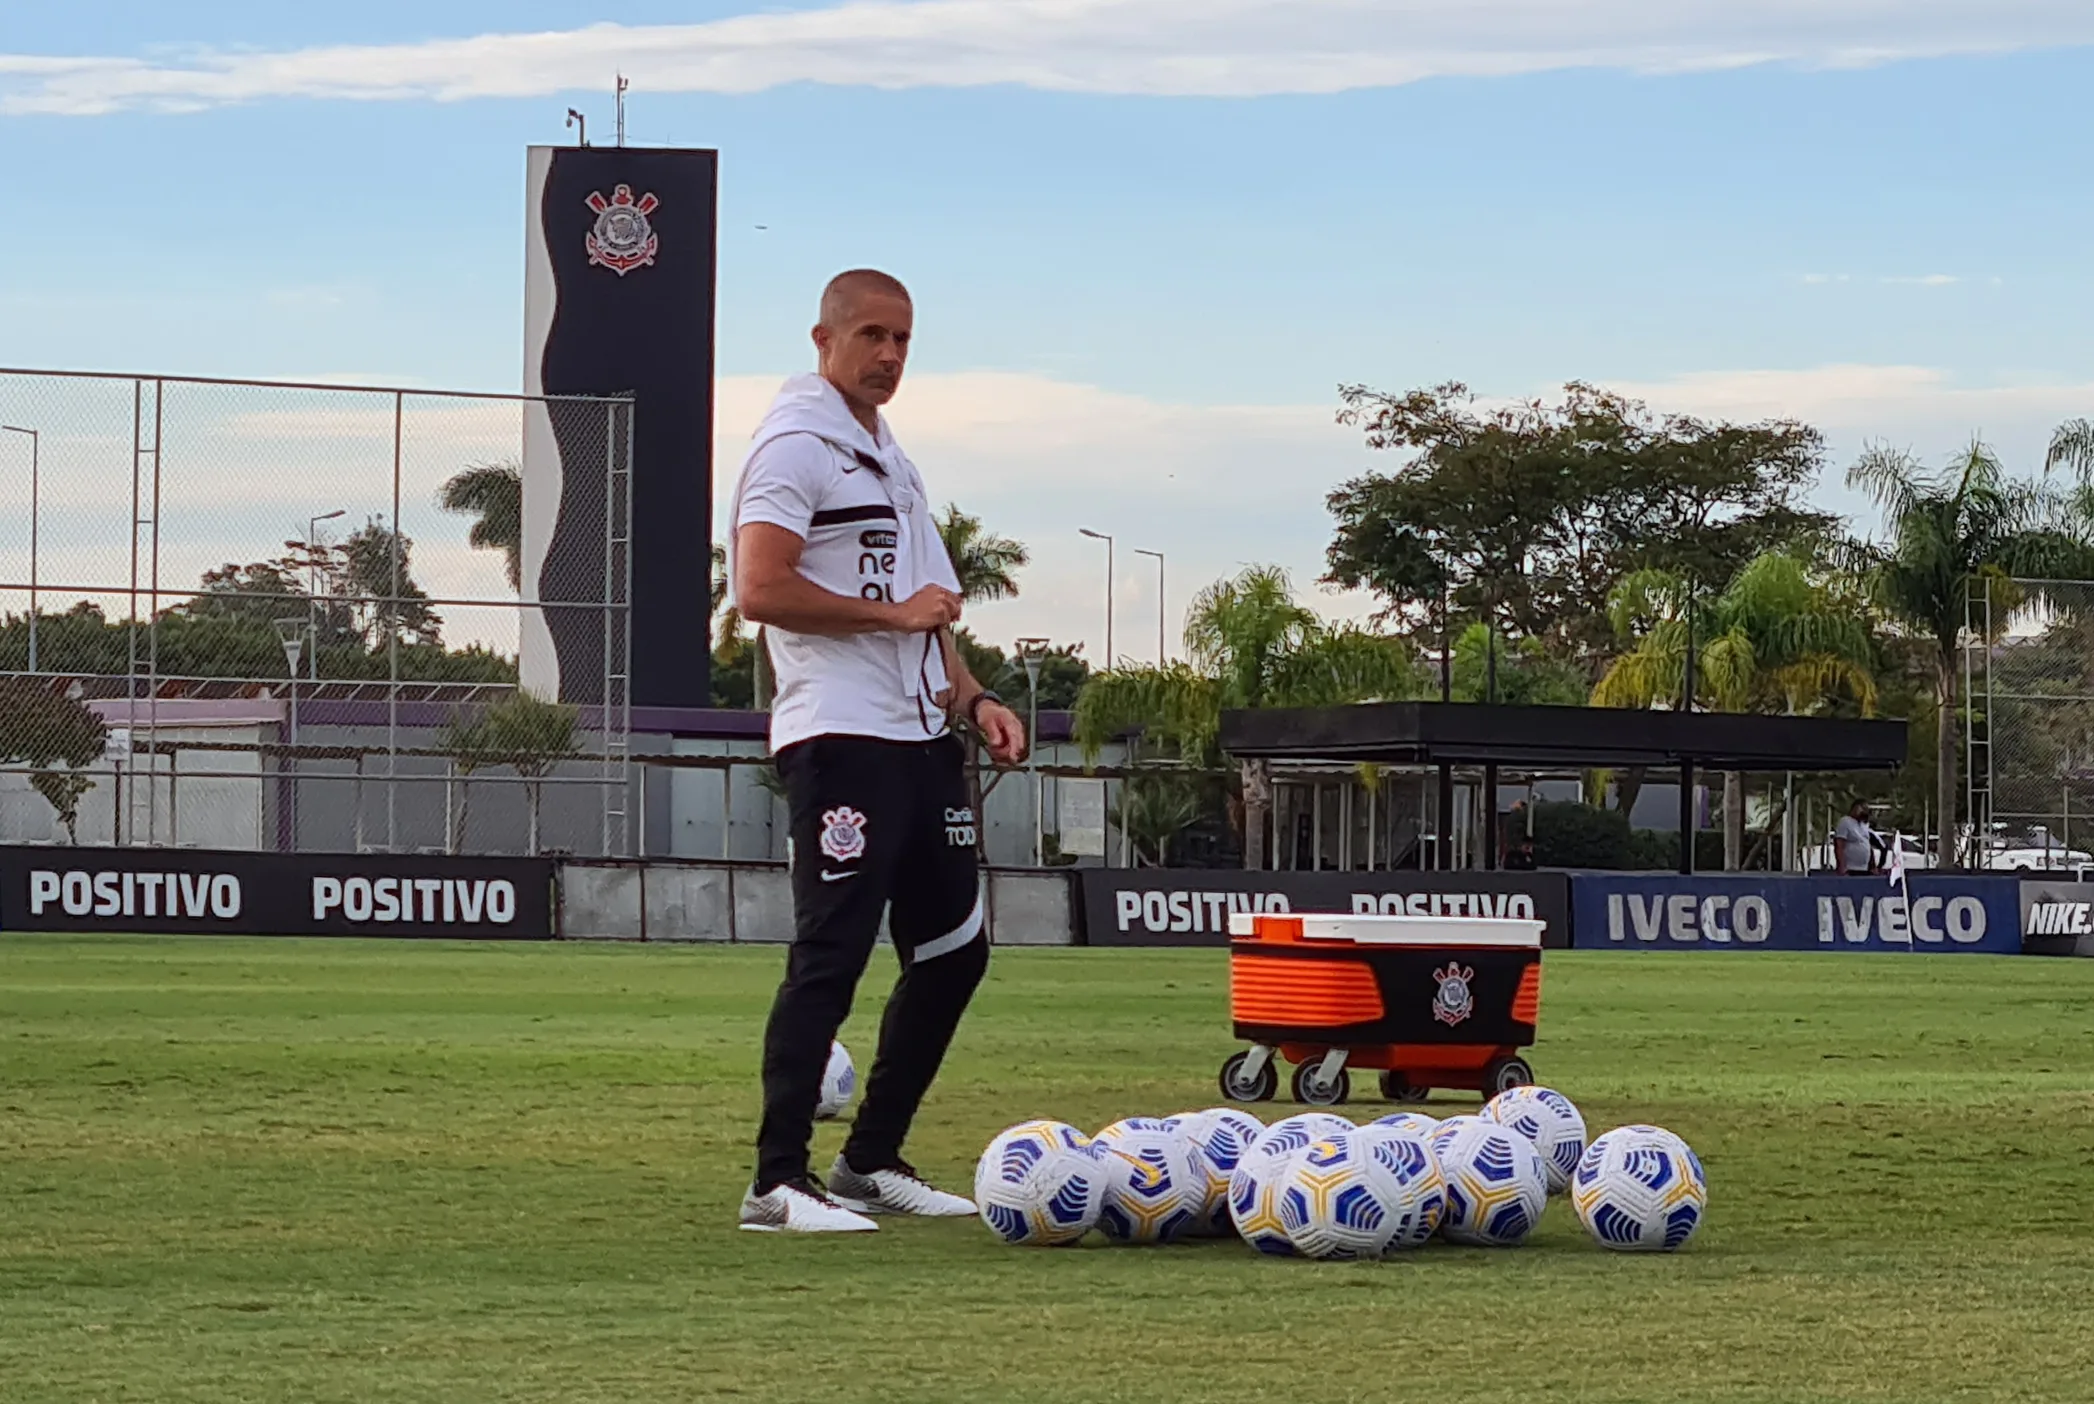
{"x":1475,"y":733}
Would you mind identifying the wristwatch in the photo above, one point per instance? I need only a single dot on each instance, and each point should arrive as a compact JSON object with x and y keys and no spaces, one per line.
{"x":974,"y":704}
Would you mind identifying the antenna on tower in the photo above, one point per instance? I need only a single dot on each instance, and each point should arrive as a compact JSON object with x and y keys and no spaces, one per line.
{"x":576,"y":119}
{"x":623,"y":84}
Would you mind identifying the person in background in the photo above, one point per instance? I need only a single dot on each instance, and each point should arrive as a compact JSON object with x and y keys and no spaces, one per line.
{"x":1854,"y":843}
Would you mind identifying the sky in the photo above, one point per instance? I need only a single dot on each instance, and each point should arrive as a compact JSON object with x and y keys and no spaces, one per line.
{"x":1148,"y":238}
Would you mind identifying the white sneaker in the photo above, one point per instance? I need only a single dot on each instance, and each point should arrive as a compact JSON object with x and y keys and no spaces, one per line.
{"x":899,"y":1190}
{"x":800,"y":1208}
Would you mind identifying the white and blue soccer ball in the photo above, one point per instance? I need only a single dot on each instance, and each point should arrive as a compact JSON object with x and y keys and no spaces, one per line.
{"x":1153,"y":1191}
{"x":1131,"y":1126}
{"x":1040,"y":1183}
{"x":1415,"y":1123}
{"x":1357,"y":1194}
{"x":1254,"y":1186}
{"x":839,"y":1082}
{"x":1640,"y":1188}
{"x":1218,"y":1138}
{"x":1497,"y":1184}
{"x":1314,"y":1125}
{"x":1448,"y":1126}
{"x":1550,"y":1120}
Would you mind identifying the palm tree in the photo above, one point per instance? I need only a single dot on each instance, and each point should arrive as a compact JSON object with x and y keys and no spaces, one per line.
{"x":1251,"y":644}
{"x":1962,"y":527}
{"x":2072,"y":446}
{"x":1777,"y":639}
{"x":494,"y":493}
{"x":986,"y":564}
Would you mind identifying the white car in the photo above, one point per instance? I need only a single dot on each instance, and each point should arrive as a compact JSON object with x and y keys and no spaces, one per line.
{"x":2036,"y":860}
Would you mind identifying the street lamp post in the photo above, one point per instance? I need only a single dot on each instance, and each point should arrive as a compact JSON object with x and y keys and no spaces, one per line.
{"x":1029,"y":651}
{"x":312,"y":586}
{"x":1162,"y":656}
{"x":291,"y":633}
{"x":1101,"y":536}
{"x":35,"y":454}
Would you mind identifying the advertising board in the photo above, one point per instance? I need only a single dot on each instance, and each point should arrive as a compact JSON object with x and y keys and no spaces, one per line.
{"x":199,"y":891}
{"x":1191,"y":907}
{"x":1650,"y":911}
{"x":2057,"y":918}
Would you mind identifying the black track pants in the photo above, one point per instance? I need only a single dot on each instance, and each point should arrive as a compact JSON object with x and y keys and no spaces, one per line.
{"x":873,"y":823}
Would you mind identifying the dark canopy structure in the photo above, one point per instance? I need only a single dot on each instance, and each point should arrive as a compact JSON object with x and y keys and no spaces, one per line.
{"x":1471,"y":733}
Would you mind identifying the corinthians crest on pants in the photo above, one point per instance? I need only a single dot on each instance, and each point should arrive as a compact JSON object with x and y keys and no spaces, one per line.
{"x":1453,"y":1002}
{"x":843,"y":833}
{"x":622,"y":239}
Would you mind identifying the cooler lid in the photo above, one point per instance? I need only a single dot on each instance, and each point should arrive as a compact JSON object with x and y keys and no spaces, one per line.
{"x":1364,"y":930}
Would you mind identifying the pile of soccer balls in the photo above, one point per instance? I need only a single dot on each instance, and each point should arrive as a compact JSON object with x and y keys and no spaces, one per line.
{"x":1318,"y":1186}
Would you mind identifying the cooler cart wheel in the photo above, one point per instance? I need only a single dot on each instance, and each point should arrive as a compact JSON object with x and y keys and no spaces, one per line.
{"x":1398,"y":1088}
{"x":1311,"y":1090}
{"x":1505,"y":1074}
{"x":1235,"y":1087}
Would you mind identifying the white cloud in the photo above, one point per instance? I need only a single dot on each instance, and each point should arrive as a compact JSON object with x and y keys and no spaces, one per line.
{"x":1217,"y":488}
{"x":1213,"y":487}
{"x":1927,"y":280}
{"x":1228,"y":48}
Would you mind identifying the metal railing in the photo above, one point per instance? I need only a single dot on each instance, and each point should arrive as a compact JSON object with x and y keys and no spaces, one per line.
{"x":291,"y":615}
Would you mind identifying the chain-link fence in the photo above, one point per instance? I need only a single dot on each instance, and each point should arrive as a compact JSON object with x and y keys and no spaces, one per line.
{"x":2029,"y":725}
{"x":250,"y":615}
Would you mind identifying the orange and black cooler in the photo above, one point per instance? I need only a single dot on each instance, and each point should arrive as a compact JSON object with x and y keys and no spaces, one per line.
{"x":1426,"y":1001}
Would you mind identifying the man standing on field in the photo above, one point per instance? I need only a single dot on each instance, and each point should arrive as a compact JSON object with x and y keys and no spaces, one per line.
{"x":837,"y":556}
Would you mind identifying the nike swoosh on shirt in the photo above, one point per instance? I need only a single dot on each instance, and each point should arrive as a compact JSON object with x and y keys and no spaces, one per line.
{"x":837,"y":877}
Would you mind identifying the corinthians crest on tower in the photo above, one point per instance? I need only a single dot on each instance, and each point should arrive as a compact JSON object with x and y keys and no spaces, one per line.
{"x":622,"y":239}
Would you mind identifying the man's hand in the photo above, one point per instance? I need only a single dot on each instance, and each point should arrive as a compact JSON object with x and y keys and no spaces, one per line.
{"x":1001,"y":732}
{"x":932,"y":607}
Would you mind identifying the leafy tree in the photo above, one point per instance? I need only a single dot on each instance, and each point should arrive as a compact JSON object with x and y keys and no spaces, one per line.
{"x":1154,"y":809}
{"x":1062,"y":671}
{"x":1777,"y":639}
{"x":493,"y":494}
{"x":986,"y":564}
{"x":526,"y":733}
{"x":1525,"y":515}
{"x":55,"y":735}
{"x":1962,"y":528}
{"x":1518,"y":672}
{"x":385,"y":603}
{"x":1251,"y":644}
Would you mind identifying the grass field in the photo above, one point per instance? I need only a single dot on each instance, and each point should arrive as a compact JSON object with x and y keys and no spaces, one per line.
{"x":361,"y":1171}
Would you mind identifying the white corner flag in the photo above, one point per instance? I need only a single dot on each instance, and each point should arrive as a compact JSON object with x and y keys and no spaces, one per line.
{"x":1897,"y":859}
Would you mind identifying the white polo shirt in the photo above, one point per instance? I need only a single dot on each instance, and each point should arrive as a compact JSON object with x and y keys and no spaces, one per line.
{"x":838,"y":502}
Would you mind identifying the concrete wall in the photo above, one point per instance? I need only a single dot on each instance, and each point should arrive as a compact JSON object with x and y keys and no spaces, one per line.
{"x":751,"y":904}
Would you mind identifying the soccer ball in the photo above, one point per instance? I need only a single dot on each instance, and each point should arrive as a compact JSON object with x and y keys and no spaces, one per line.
{"x":1446,"y":1128}
{"x":1040,"y":1183}
{"x":1254,"y":1206}
{"x":1217,"y":1139}
{"x":1416,"y":1123}
{"x":1359,"y":1195}
{"x":1548,"y":1119}
{"x":1497,"y":1185}
{"x":1153,"y":1192}
{"x":1640,"y":1188}
{"x":1314,"y":1125}
{"x":1130,"y":1126}
{"x":839,"y":1081}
